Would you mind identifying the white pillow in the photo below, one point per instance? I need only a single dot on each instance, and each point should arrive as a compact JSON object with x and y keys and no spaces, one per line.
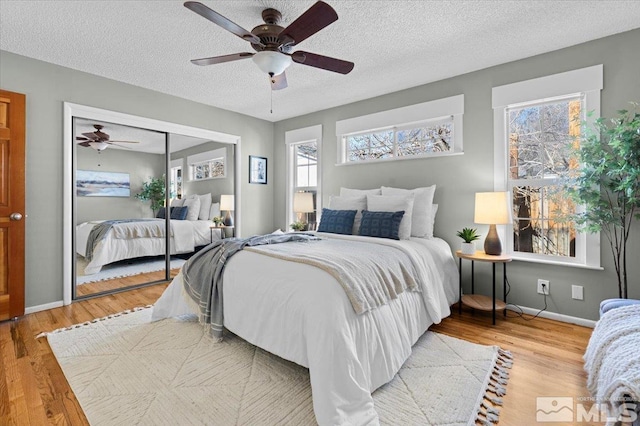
{"x":347,"y":192}
{"x":382,"y":203}
{"x":205,"y":206}
{"x":192,"y":202}
{"x":214,"y":211}
{"x":421,"y":221}
{"x":177,"y":202}
{"x":433,"y":215}
{"x":350,"y":203}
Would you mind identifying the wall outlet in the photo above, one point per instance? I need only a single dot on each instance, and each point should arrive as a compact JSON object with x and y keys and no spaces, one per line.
{"x":544,"y":290}
{"x":577,"y":292}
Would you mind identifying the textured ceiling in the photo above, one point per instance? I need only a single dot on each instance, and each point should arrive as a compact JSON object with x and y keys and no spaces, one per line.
{"x":394,"y":44}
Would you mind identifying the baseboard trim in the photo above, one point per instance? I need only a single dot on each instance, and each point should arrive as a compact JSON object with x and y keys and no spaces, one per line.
{"x":33,"y":309}
{"x":557,"y":317}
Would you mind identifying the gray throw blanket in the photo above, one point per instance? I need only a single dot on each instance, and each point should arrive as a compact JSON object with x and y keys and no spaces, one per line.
{"x":202,"y":274}
{"x":370,"y":274}
{"x":99,"y":231}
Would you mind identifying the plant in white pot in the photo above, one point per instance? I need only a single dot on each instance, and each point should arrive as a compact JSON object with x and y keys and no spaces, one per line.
{"x":468,"y":235}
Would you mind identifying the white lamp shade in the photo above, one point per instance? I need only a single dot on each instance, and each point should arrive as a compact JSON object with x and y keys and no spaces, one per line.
{"x":98,"y":146}
{"x":303,"y":202}
{"x":492,"y":208}
{"x":227,"y":202}
{"x":272,"y":62}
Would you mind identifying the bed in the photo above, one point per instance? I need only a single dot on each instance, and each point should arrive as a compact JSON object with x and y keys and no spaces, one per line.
{"x":131,"y":239}
{"x":300,"y":313}
{"x":296,"y":304}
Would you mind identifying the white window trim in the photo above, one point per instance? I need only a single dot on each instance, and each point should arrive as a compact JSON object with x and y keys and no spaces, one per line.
{"x":295,"y":137}
{"x":204,"y":157}
{"x":439,"y":109}
{"x":588,"y":81}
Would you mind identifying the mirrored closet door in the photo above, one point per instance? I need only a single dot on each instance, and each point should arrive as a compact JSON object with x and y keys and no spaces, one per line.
{"x":144,"y":201}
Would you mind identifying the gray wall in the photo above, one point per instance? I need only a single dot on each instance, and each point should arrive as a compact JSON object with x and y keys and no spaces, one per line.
{"x":47,"y":86}
{"x":215,"y":186}
{"x":459,"y":177}
{"x":140,"y":166}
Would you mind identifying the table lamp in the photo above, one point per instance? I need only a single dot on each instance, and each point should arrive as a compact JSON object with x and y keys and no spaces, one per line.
{"x":227,"y":203}
{"x":492,"y":208}
{"x":303,"y":203}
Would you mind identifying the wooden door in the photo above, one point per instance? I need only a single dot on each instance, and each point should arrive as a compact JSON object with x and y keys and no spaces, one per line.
{"x":12,"y":212}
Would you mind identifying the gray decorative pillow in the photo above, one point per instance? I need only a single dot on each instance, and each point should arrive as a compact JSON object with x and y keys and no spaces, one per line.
{"x":381,"y":224}
{"x":421,"y":220}
{"x":350,"y":203}
{"x":193,"y":203}
{"x":205,"y":206}
{"x":337,"y":221}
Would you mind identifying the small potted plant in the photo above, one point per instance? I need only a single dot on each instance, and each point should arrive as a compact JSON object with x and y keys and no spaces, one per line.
{"x":468,"y":235}
{"x":218,"y":221}
{"x":298,"y":226}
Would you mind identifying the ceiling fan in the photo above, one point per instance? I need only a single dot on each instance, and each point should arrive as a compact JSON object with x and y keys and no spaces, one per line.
{"x":99,"y":140}
{"x":274,"y":43}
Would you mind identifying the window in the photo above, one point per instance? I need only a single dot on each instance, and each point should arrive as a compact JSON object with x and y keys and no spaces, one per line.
{"x":208,"y":165}
{"x":424,"y":130}
{"x":540,"y":137}
{"x":303,"y":164}
{"x":175,"y":179}
{"x":409,"y":141}
{"x":537,"y":122}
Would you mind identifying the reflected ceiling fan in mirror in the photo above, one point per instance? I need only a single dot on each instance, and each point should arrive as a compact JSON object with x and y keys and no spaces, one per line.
{"x":99,"y":140}
{"x":274,"y":43}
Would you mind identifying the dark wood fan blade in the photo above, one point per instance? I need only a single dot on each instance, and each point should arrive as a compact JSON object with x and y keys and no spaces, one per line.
{"x":91,"y":136}
{"x":84,"y":144}
{"x":278,"y":82}
{"x":310,"y":22}
{"x":81,"y":138}
{"x":122,"y":141}
{"x":324,"y":62}
{"x":221,"y":59}
{"x":223,"y":22}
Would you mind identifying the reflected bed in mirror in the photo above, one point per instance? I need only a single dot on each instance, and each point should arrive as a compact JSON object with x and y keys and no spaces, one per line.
{"x":122,"y":180}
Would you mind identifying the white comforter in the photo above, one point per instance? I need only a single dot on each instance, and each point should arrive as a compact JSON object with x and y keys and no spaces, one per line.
{"x":137,"y":239}
{"x":301,"y":313}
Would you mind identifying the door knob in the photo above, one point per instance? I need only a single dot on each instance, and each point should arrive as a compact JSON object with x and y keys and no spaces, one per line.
{"x":15,"y":216}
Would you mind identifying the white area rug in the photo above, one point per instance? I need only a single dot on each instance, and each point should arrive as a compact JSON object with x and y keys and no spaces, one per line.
{"x":123,"y":268}
{"x":125,"y":370}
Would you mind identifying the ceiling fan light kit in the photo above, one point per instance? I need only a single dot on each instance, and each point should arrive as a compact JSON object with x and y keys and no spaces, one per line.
{"x":99,"y":140}
{"x":98,"y":146}
{"x":272,"y":63}
{"x":274,"y":43}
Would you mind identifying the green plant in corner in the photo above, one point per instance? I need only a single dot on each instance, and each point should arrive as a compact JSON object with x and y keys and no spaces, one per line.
{"x":153,"y":190}
{"x":298,"y":226}
{"x":469,"y":235}
{"x":607,"y":182}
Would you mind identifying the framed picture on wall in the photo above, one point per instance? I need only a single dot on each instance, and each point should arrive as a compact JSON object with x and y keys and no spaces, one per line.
{"x":91,"y":183}
{"x":257,"y":169}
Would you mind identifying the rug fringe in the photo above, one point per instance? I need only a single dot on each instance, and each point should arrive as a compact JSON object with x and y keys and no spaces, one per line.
{"x":487,"y":414}
{"x":86,"y":323}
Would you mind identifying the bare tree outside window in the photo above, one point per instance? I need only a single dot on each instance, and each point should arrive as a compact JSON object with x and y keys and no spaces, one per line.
{"x":415,"y":141}
{"x":540,"y":140}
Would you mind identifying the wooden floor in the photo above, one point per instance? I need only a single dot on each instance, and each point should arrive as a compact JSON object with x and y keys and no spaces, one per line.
{"x":33,"y":390}
{"x":120,"y":283}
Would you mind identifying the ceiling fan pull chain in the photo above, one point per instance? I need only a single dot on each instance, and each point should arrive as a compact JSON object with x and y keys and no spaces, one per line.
{"x":271,"y":91}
